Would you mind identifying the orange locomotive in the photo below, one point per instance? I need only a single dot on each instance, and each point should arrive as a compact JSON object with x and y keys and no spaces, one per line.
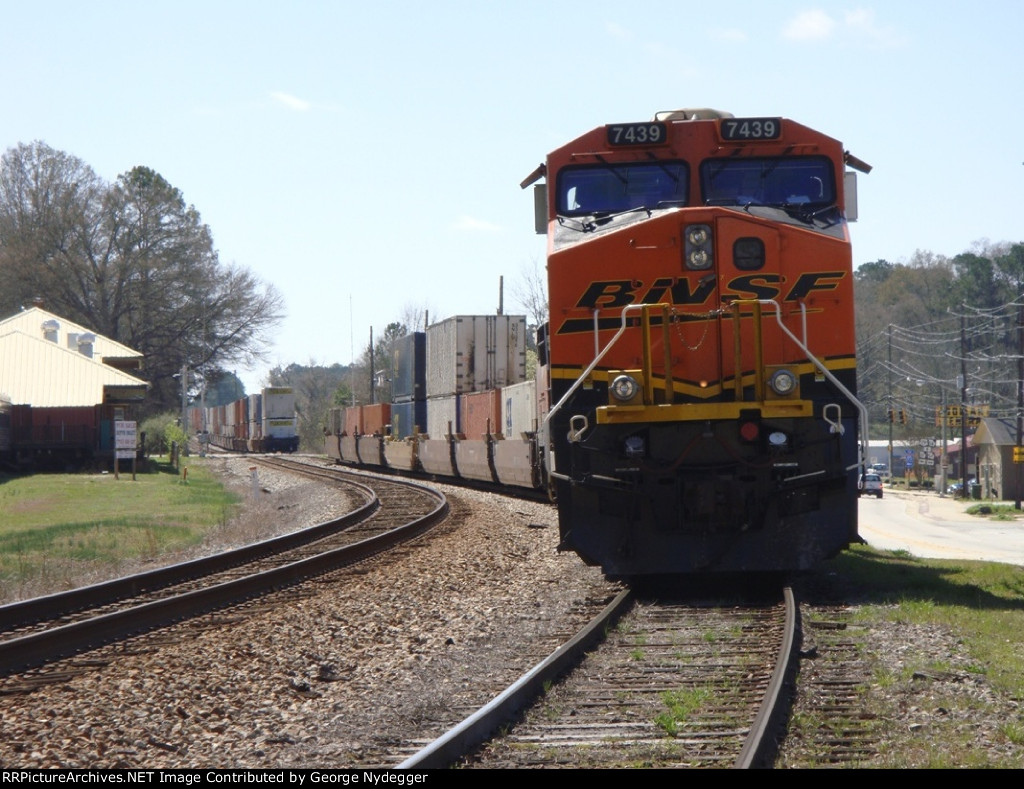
{"x":701,"y":345}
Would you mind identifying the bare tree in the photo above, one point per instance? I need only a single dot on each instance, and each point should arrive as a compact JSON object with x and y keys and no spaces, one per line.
{"x":531,"y":291}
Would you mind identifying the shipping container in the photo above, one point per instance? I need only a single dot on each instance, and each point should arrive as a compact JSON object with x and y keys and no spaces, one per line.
{"x":408,"y":418}
{"x":519,"y":405}
{"x":409,"y":369}
{"x":480,"y":413}
{"x":336,"y":420}
{"x":442,"y":416}
{"x":376,"y":418}
{"x":472,"y":353}
{"x":255,"y":414}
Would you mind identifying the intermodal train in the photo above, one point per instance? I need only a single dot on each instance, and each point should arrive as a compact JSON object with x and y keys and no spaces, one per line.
{"x":262,"y":422}
{"x":695,"y":409}
{"x":462,"y":407}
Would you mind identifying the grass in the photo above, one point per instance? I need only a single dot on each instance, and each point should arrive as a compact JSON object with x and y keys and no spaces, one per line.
{"x":679,"y":706}
{"x":982,"y":605}
{"x":57,"y":529}
{"x":981,"y":601}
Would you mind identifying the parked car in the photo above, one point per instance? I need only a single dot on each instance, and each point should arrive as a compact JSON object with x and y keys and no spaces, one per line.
{"x":955,"y":488}
{"x":870,"y":485}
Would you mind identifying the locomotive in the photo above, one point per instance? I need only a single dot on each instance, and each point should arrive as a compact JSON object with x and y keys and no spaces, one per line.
{"x":695,"y":408}
{"x":701,"y":344}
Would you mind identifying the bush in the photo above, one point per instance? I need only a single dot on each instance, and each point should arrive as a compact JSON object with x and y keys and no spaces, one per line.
{"x":161,"y":430}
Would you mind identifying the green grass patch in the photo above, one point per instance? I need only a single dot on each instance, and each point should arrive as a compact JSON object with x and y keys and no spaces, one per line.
{"x":680,"y":705}
{"x":59,"y":525}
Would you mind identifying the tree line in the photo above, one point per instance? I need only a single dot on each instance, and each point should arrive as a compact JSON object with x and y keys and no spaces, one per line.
{"x":937,"y":334}
{"x":131,"y":261}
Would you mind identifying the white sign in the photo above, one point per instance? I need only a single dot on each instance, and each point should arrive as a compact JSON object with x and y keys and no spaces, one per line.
{"x":125,"y":440}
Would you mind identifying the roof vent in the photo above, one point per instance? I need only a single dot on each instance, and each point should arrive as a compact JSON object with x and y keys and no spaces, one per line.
{"x":85,"y":343}
{"x":50,"y":329}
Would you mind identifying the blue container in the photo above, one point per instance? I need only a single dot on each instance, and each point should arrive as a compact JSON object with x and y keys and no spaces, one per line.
{"x":405,"y":417}
{"x":409,"y":368}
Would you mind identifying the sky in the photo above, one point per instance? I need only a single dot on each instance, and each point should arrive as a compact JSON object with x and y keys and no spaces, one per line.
{"x":365,"y":158}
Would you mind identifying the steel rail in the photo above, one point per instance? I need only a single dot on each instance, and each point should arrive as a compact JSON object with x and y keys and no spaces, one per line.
{"x":36,"y":649}
{"x":477,"y":728}
{"x":61,"y":603}
{"x":759,"y":739}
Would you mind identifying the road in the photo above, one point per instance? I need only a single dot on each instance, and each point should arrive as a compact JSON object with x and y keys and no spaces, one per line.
{"x":935,"y":527}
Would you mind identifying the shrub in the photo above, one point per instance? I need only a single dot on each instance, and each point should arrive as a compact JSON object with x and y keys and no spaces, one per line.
{"x":161,"y":430}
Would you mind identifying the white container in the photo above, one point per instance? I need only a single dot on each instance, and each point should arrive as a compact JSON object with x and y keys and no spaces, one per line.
{"x":440,"y":412}
{"x":473,"y":353}
{"x":519,"y":409}
{"x":279,"y":413}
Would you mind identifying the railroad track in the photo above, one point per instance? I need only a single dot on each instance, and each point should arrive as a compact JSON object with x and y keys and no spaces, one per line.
{"x":36,"y":632}
{"x":671,"y":685}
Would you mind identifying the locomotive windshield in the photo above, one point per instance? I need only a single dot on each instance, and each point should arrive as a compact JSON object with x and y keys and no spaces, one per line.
{"x":790,"y":181}
{"x":611,"y":188}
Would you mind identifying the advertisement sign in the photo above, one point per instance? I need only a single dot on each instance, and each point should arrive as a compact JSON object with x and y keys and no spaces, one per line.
{"x":125,"y":440}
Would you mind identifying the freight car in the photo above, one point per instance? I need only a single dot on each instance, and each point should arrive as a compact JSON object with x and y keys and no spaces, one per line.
{"x":258,"y":423}
{"x":462,"y":408}
{"x":695,"y":412}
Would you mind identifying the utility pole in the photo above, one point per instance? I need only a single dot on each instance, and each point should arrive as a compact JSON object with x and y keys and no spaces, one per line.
{"x":963,"y":410}
{"x":1020,"y":407}
{"x":891,"y":414}
{"x":942,"y":454}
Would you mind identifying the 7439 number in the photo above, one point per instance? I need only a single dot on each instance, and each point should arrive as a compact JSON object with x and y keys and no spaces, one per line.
{"x":636,"y":133}
{"x":751,"y":128}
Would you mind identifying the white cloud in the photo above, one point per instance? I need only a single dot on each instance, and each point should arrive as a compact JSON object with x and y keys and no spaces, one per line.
{"x":291,"y":102}
{"x":809,"y":26}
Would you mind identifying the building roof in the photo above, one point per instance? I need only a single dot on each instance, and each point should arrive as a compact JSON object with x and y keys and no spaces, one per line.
{"x":1001,"y":432}
{"x":37,"y":369}
{"x":37,"y":322}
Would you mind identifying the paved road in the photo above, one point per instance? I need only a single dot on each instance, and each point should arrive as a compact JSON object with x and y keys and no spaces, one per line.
{"x":936,"y":527}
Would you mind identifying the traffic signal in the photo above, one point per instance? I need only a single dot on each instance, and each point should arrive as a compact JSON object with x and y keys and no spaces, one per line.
{"x":903,"y":417}
{"x":890,"y":415}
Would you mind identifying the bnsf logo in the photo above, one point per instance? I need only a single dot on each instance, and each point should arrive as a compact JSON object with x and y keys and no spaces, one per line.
{"x":622,"y":292}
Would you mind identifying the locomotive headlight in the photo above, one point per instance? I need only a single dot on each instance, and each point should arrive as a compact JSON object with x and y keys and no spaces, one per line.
{"x":698,"y":248}
{"x":698,"y":235}
{"x":624,"y":388}
{"x":782,"y":382}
